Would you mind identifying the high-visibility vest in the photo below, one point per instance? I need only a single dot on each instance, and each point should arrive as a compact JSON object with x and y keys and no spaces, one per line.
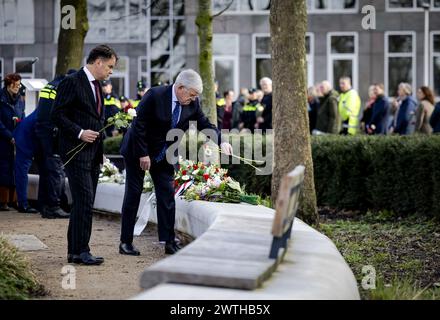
{"x":48,"y":92}
{"x":349,"y":109}
{"x":134,"y":103}
{"x":112,"y":101}
{"x":221,"y":103}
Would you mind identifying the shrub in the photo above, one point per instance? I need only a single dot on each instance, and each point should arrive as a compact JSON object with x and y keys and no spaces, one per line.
{"x":16,"y":280}
{"x":400,"y":174}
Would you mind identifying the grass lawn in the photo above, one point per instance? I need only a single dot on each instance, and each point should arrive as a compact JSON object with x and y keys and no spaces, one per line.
{"x":404,"y":252}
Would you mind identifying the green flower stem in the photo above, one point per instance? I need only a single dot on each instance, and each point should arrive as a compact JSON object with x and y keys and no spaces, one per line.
{"x":82,"y":145}
{"x":245,"y":160}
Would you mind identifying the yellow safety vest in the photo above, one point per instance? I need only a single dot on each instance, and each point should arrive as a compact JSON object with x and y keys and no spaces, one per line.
{"x":48,"y":92}
{"x":349,"y":109}
{"x":112,"y":101}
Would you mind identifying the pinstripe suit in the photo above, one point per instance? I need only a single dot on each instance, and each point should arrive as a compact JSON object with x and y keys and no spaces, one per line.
{"x":75,"y":109}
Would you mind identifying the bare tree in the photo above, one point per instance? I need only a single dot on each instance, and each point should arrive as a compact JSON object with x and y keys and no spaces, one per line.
{"x":71,"y":41}
{"x":288,"y":25}
{"x":204,"y":24}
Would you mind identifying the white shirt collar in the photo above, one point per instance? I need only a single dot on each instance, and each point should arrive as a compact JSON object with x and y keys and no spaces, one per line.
{"x":174,"y":97}
{"x":89,"y":74}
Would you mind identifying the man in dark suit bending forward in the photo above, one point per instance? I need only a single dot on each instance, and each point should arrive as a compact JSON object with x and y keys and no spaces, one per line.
{"x":144,"y":148}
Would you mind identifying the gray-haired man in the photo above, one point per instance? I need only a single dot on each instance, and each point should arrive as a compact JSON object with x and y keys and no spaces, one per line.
{"x":144,"y":148}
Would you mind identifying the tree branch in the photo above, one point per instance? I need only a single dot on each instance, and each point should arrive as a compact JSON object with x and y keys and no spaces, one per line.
{"x":226,"y":8}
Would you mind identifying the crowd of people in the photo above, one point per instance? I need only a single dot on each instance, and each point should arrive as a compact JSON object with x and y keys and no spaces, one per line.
{"x":333,"y":112}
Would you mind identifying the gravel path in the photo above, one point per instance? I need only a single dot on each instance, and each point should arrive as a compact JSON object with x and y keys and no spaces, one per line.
{"x":116,"y":278}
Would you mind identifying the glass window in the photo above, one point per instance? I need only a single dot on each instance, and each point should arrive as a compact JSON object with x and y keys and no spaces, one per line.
{"x":263,"y":45}
{"x":397,"y":5}
{"x":400,"y":43}
{"x":113,"y":21}
{"x":399,"y":60}
{"x":436,"y":63}
{"x":119,"y":77}
{"x":24,"y":67}
{"x":167,"y":45}
{"x":328,"y":6}
{"x":400,"y":70}
{"x":262,"y":58}
{"x":263,"y":68}
{"x":225,"y":56}
{"x":343,"y":44}
{"x":17,"y":21}
{"x":1,"y":70}
{"x":241,"y":5}
{"x":342,"y":55}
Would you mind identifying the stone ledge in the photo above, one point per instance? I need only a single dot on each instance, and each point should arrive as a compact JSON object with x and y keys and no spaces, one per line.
{"x":312,"y":268}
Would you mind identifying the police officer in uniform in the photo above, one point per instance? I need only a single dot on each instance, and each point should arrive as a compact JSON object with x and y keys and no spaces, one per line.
{"x":141,"y":90}
{"x":111,"y":105}
{"x":52,"y":177}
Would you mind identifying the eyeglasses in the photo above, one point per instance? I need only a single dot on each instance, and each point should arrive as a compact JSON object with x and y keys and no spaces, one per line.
{"x":16,"y":85}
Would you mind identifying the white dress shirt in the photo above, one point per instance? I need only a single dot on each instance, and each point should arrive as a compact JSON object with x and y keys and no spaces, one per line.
{"x":91,"y":78}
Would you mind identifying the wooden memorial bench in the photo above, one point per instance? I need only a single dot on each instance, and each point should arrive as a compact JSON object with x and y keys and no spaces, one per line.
{"x":238,"y":250}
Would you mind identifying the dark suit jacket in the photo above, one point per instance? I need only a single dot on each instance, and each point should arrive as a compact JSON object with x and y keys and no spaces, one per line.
{"x":147,"y":134}
{"x":75,"y":109}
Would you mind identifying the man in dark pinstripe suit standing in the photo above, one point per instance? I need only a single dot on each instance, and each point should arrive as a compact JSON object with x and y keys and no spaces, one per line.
{"x":78,"y":112}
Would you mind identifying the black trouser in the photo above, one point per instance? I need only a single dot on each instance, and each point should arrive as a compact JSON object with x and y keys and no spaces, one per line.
{"x":51,"y":185}
{"x":83,"y":180}
{"x":163,"y":179}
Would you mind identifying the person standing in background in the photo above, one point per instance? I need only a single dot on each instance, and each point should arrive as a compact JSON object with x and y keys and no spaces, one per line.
{"x":424,"y":110}
{"x":11,"y":113}
{"x":265,"y":121}
{"x":349,"y":107}
{"x":379,"y":111}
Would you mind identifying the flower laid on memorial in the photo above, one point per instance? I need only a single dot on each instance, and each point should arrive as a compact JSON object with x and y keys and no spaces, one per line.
{"x":198,"y":172}
{"x":110,"y":173}
{"x":209,"y":183}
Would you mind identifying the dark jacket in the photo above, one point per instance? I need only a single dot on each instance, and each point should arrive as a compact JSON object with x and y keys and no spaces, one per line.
{"x":329,"y":120}
{"x":379,"y":115}
{"x":147,"y":134}
{"x":435,"y":119}
{"x":406,"y":111}
{"x":44,"y":127}
{"x":24,"y":135}
{"x":313,"y":108}
{"x":9,"y":108}
{"x":267,"y":113}
{"x":75,"y":109}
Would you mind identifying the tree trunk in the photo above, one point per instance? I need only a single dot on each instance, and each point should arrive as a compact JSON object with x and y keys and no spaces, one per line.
{"x":288,"y":25}
{"x":204,"y":24}
{"x":71,"y":41}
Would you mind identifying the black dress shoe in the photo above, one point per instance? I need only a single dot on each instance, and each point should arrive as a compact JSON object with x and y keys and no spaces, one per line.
{"x":128,"y":249}
{"x":27,"y":210}
{"x":4,"y":207}
{"x":171,"y":247}
{"x":55,"y":213}
{"x":72,"y":257}
{"x":87,"y":259}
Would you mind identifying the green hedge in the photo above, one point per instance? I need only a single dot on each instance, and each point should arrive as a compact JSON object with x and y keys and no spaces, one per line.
{"x":401,"y":174}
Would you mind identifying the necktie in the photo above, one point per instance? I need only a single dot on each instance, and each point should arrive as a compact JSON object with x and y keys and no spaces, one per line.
{"x":174,"y":120}
{"x":98,"y":96}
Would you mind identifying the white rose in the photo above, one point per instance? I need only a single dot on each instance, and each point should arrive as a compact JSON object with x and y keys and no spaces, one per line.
{"x":185,"y":178}
{"x":132,"y":112}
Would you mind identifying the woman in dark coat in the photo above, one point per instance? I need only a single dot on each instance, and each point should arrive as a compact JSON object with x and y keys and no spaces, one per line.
{"x":11,"y":113}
